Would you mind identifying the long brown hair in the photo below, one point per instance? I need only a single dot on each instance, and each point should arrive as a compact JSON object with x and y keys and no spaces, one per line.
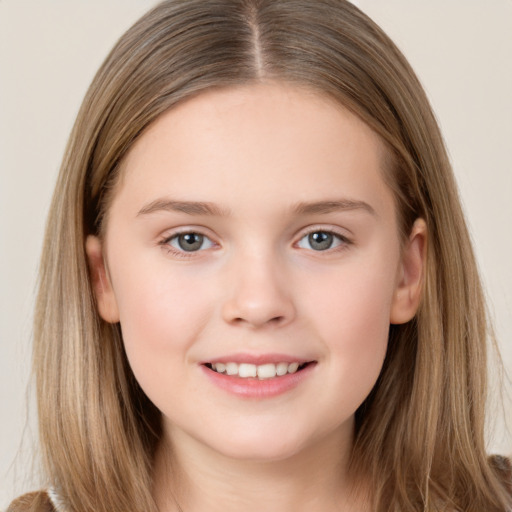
{"x":420,"y":434}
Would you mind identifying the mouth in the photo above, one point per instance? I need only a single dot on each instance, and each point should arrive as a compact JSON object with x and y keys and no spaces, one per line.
{"x":260,"y":372}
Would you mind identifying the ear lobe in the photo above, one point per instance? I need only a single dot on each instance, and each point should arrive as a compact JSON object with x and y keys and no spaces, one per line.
{"x":105,"y":298}
{"x":410,"y":280}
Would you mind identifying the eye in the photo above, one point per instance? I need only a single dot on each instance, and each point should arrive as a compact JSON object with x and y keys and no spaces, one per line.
{"x":321,"y":241}
{"x":189,"y":242}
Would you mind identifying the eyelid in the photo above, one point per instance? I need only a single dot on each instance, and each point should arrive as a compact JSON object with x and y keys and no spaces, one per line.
{"x":337,"y":232}
{"x":171,"y":232}
{"x":168,"y":235}
{"x":165,"y":239}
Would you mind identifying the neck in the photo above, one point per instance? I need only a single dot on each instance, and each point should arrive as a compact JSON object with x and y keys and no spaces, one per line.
{"x":197,"y":478}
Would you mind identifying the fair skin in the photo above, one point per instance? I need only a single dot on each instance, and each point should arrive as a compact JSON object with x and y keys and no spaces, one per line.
{"x":253,"y":226}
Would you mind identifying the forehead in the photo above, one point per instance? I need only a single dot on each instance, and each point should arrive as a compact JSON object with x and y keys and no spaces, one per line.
{"x":269,"y":140}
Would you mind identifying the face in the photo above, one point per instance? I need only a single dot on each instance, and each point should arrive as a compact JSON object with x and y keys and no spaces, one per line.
{"x":252,"y":257}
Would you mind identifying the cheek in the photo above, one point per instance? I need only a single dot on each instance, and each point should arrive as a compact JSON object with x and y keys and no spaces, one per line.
{"x":161,"y":314}
{"x":351,"y":313}
{"x":355,"y":297}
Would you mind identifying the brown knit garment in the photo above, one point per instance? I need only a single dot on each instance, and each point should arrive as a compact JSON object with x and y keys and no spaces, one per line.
{"x":40,"y":502}
{"x":503,"y":467}
{"x":32,"y":502}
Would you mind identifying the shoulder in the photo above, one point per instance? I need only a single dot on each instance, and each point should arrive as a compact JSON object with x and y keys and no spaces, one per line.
{"x":503,"y":467}
{"x":32,"y":502}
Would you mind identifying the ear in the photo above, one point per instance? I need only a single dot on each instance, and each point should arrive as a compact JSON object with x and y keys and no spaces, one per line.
{"x":102,"y":287}
{"x":410,"y":275}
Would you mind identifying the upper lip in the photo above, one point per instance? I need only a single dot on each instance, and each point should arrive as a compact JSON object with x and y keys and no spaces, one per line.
{"x":257,"y":359}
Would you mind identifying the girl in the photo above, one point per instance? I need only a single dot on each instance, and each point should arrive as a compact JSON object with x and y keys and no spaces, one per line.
{"x":256,"y":278}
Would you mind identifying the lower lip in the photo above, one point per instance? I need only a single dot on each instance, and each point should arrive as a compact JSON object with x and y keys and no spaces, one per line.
{"x":256,"y":388}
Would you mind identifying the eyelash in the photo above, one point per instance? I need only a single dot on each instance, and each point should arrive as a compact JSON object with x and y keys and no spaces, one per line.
{"x":165,"y":244}
{"x":343,"y":242}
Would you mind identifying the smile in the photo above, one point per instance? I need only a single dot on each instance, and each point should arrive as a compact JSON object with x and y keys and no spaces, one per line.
{"x":262,"y":371}
{"x":260,"y":376}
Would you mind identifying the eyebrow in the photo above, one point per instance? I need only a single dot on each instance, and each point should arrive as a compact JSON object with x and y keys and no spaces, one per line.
{"x":324,"y":207}
{"x":211,"y":209}
{"x":188,"y":207}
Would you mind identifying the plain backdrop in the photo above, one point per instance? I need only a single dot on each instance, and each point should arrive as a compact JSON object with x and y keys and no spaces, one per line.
{"x":49,"y":51}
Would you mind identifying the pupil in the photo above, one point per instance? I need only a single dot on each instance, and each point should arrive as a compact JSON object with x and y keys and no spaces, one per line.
{"x":190,"y":241}
{"x":320,"y":241}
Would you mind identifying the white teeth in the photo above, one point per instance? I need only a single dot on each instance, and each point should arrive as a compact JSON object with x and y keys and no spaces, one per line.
{"x":282,"y":369}
{"x":247,"y":370}
{"x":231,"y":368}
{"x":293,"y":367}
{"x":263,"y":371}
{"x":267,"y":371}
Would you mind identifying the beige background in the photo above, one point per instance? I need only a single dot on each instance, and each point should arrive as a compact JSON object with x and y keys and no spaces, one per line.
{"x":49,"y":51}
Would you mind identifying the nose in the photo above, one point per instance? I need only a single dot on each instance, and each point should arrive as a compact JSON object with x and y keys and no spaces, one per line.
{"x":258,"y":294}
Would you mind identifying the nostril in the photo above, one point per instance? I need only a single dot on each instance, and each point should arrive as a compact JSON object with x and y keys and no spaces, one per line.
{"x":257,"y":322}
{"x":252,"y":308}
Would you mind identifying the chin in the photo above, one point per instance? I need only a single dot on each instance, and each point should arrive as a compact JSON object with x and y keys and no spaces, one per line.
{"x":260,"y":445}
{"x":260,"y":452}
